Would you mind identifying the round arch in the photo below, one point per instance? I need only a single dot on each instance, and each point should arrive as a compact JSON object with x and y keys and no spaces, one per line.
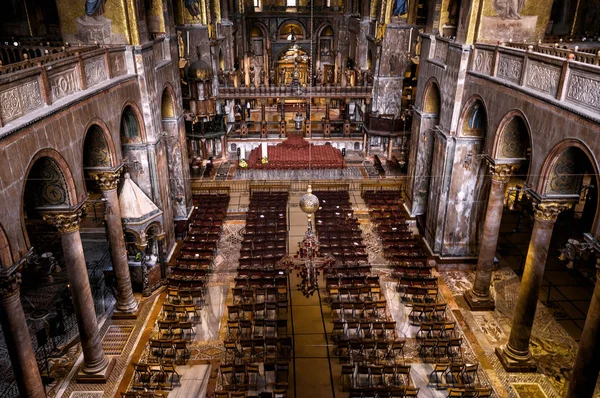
{"x":509,"y":140}
{"x":137,"y":116}
{"x":98,"y":139}
{"x":167,"y":107}
{"x":5,"y":254}
{"x":432,"y":100}
{"x":285,"y":27}
{"x":473,"y":121}
{"x":70,"y":192}
{"x":259,"y":27}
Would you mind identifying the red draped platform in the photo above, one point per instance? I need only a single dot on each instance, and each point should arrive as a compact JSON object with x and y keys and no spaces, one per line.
{"x":294,"y":153}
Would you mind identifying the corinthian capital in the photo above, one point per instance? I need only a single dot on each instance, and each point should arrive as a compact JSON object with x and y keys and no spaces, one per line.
{"x":549,"y":211}
{"x":503,"y":172}
{"x":65,"y":222}
{"x":9,"y":282}
{"x":107,"y":180}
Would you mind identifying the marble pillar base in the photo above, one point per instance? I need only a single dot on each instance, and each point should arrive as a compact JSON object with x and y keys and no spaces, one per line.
{"x":514,"y":362}
{"x":130,"y":313}
{"x":99,"y":377}
{"x":477,"y":303}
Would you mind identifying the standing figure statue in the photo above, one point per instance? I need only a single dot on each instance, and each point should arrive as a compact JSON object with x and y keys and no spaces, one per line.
{"x":282,"y":77}
{"x":359,"y":77}
{"x":339,"y":76}
{"x":320,"y":76}
{"x":94,"y":8}
{"x":192,"y":7}
{"x":261,"y":77}
{"x":508,"y":9}
{"x":400,"y":7}
{"x":271,"y":77}
{"x":252,"y":77}
{"x":329,"y":76}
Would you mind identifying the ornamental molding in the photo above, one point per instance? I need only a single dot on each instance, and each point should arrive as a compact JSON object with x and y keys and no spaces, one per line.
{"x":549,"y":211}
{"x":65,"y":222}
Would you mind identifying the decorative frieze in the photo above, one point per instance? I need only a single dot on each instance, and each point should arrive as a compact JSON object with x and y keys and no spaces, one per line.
{"x":17,"y":101}
{"x":544,"y":78}
{"x":584,"y":90}
{"x":95,"y":71}
{"x":441,"y":50}
{"x":63,"y":84}
{"x":483,"y":62}
{"x":509,"y":68}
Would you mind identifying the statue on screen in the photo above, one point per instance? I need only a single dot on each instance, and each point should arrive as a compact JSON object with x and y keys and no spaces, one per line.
{"x":94,"y":8}
{"x":192,"y":7}
{"x":400,"y":7}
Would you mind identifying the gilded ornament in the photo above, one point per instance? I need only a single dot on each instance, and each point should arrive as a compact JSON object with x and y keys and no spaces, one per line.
{"x":107,"y":180}
{"x":503,"y":172}
{"x":549,"y":211}
{"x":64,"y":222}
{"x":309,"y":203}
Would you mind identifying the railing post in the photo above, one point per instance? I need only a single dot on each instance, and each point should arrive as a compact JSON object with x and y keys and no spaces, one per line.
{"x":564,"y":78}
{"x":495,"y":60}
{"x":81,"y":68}
{"x":45,"y":85}
{"x":525,"y":64}
{"x":107,"y":63}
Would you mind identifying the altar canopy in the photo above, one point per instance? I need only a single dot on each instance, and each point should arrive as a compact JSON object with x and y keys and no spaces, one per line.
{"x":296,"y":153}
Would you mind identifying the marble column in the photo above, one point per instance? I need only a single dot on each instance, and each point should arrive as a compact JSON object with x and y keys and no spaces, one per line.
{"x":108,"y":181}
{"x":584,"y":375}
{"x":390,"y":147}
{"x":16,"y":335}
{"x":479,"y":297}
{"x":67,"y":223}
{"x":515,"y":355}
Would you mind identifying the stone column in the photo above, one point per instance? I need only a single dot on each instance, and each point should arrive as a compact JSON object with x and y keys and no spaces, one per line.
{"x":224,"y":147}
{"x":515,"y":355}
{"x":390,"y":147}
{"x":479,"y":297}
{"x":108,"y":181}
{"x":67,"y":223}
{"x":16,"y":334}
{"x":586,"y":367}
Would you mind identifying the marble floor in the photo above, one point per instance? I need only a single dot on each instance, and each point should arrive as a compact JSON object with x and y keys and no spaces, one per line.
{"x":314,"y":371}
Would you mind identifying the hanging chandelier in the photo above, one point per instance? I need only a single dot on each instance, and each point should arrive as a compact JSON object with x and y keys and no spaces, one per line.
{"x":308,"y":262}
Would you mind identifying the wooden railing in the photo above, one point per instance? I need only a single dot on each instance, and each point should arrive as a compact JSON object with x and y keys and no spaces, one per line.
{"x":289,"y":92}
{"x":586,"y":55}
{"x":56,"y":54}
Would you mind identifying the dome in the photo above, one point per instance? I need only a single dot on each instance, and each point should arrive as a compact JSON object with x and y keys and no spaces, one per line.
{"x":309,"y":203}
{"x":200,"y":70}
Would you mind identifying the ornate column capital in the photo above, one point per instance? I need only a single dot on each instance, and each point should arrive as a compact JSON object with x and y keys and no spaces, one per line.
{"x":10,"y":279}
{"x":107,"y":180}
{"x":549,"y":211}
{"x":65,"y":222}
{"x":503,"y":172}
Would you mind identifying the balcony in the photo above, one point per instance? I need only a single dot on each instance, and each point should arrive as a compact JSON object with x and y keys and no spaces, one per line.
{"x":289,"y":92}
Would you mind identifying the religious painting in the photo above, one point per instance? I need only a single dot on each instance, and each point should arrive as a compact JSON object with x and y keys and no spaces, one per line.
{"x":257,"y":47}
{"x":567,"y":172}
{"x":516,"y":20}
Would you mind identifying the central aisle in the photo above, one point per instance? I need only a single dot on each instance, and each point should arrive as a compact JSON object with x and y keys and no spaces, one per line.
{"x":317,"y":374}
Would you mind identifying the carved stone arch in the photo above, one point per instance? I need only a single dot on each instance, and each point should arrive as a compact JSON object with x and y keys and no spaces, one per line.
{"x":470,"y":124}
{"x":99,"y":141}
{"x":5,"y":253}
{"x":513,"y":137}
{"x":432,"y":99}
{"x":131,"y":106}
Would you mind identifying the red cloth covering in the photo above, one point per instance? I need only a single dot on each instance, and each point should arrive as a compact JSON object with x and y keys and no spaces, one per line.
{"x":294,"y":153}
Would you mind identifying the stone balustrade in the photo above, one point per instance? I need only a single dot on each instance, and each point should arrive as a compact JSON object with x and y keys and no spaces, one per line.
{"x":561,"y":80}
{"x":586,"y":55}
{"x":41,"y":85}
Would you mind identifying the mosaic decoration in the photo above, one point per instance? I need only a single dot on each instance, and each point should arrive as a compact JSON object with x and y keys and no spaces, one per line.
{"x":130,"y":129}
{"x":46,"y":183}
{"x":528,"y":390}
{"x":96,"y":152}
{"x":115,"y":339}
{"x":474,"y":124}
{"x":566,"y":174}
{"x":514,"y":140}
{"x":432,"y":100}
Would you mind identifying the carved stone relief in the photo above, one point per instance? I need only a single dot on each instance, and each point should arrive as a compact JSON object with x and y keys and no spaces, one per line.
{"x":483,"y":62}
{"x":584,"y":90}
{"x":18,"y":101}
{"x":543,"y":77}
{"x":63,"y":84}
{"x":441,"y":50}
{"x":117,"y":64}
{"x":95,"y":71}
{"x":509,"y":68}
